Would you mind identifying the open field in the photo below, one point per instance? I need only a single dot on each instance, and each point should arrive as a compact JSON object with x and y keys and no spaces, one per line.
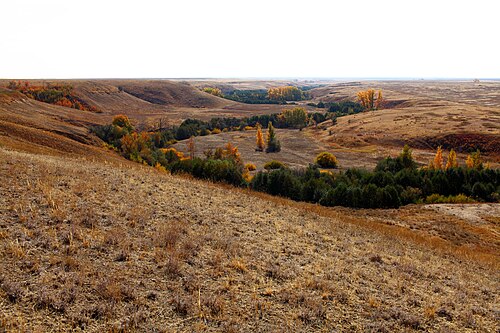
{"x":298,"y":149}
{"x":184,"y":255}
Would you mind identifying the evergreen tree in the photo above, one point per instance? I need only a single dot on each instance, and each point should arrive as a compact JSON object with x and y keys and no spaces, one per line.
{"x":273,"y":144}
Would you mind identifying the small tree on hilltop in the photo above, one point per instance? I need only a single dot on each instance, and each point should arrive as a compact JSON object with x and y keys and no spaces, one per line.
{"x":273,"y":144}
{"x":260,"y":138}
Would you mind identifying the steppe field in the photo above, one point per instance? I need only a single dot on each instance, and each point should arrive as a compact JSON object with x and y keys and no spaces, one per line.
{"x":91,"y":241}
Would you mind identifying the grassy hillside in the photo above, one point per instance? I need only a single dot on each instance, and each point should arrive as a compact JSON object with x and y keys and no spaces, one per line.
{"x":424,"y":114}
{"x":90,"y":241}
{"x":124,"y":247}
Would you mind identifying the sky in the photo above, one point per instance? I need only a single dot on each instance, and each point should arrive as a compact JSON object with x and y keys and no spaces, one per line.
{"x":249,"y":39}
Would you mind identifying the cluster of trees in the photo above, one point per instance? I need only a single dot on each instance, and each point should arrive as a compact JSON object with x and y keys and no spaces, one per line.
{"x":164,"y":137}
{"x":394,"y":182}
{"x":213,"y":91}
{"x":369,"y":101}
{"x":256,"y":96}
{"x":142,"y":147}
{"x":272,"y":142}
{"x":344,"y":108}
{"x":286,"y":93}
{"x":58,"y":94}
{"x":151,"y":148}
{"x":293,"y":118}
{"x":473,"y":160}
{"x":296,"y":117}
{"x":277,"y":95}
{"x":339,"y":109}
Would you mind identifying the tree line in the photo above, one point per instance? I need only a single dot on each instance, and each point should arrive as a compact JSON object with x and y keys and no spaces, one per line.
{"x":274,"y":95}
{"x":394,"y":182}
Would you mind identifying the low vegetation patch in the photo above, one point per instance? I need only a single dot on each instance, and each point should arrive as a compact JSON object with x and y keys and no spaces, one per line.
{"x":439,"y":199}
{"x":326,"y":160}
{"x":274,"y":165}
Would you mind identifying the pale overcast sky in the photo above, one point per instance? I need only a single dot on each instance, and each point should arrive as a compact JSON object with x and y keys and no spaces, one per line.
{"x":258,"y":38}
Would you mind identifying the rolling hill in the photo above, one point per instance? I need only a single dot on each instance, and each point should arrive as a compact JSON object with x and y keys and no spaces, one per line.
{"x":90,"y":241}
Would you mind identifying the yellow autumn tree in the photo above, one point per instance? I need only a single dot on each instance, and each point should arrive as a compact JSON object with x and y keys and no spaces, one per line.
{"x":286,"y":93}
{"x":260,"y":138}
{"x":474,"y":160}
{"x":367,"y":99}
{"x":231,"y":152}
{"x":213,"y":91}
{"x":451,"y":162}
{"x":438,"y":159}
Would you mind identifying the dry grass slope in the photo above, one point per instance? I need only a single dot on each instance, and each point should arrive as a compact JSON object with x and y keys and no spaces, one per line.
{"x":127,"y":248}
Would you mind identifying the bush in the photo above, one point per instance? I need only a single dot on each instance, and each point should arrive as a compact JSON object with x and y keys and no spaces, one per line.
{"x":282,"y":182}
{"x":437,"y":199}
{"x":250,"y":167}
{"x":326,"y":160}
{"x":274,"y":165}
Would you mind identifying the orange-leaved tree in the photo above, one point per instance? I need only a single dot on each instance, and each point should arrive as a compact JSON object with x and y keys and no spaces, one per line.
{"x":474,"y":160}
{"x":438,"y":159}
{"x":260,"y":138}
{"x":368,"y":100}
{"x":231,"y":152}
{"x":451,"y":162}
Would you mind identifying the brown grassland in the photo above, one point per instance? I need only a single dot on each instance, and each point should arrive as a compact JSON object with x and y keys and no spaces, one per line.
{"x":92,"y":242}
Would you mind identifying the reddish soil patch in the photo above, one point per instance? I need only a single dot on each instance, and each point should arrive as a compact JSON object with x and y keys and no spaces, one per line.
{"x":463,"y":142}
